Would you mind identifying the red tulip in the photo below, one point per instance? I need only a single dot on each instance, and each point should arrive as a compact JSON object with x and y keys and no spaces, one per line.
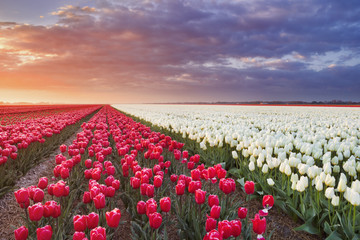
{"x":195,"y":174}
{"x":210,"y":224}
{"x":173,"y":178}
{"x":235,"y":228}
{"x":180,"y":189}
{"x":99,"y":201}
{"x":43,"y":182}
{"x":242,"y":212}
{"x":215,"y":211}
{"x":92,"y":220}
{"x":86,"y":197}
{"x":249,"y":187}
{"x":113,"y":218}
{"x":135,"y":182}
{"x":158,"y":181}
{"x":36,"y":212}
{"x":150,"y":208}
{"x":143,"y":188}
{"x":38,"y":195}
{"x":116,"y":184}
{"x":165,"y":204}
{"x":141,"y":207}
{"x":268,"y":201}
{"x":213,"y":235}
{"x":63,"y":148}
{"x":150,"y":190}
{"x":22,"y":195}
{"x":225,"y":229}
{"x":44,"y":233}
{"x":213,"y":200}
{"x":21,"y":233}
{"x":50,"y":209}
{"x":79,"y":236}
{"x":221,"y":173}
{"x":259,"y":225}
{"x":155,"y":220}
{"x":200,"y":196}
{"x":98,"y":233}
{"x":80,"y":223}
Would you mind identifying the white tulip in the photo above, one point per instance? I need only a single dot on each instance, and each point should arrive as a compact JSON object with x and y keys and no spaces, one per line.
{"x":235,"y":155}
{"x":329,"y":180}
{"x":335,"y":201}
{"x":342,"y":183}
{"x":251,"y":166}
{"x":329,"y":192}
{"x":270,"y":182}
{"x":265,"y":169}
{"x":327,"y":168}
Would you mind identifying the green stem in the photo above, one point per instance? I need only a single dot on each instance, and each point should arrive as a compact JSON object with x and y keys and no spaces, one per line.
{"x":354,"y":218}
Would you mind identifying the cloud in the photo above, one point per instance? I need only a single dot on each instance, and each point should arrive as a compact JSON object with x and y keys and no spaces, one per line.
{"x":209,"y":49}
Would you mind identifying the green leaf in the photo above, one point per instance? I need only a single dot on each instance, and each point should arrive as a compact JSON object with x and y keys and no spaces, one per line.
{"x":327,"y":228}
{"x":241,"y":181}
{"x":334,"y":236}
{"x":308,"y":227}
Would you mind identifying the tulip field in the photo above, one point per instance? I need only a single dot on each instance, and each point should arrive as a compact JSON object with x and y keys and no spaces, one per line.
{"x":164,"y":188}
{"x":306,"y":157}
{"x":182,"y":172}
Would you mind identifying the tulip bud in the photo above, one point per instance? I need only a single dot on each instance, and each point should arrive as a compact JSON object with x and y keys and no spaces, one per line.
{"x":155,"y":220}
{"x":21,"y":233}
{"x":249,"y":187}
{"x":113,"y":218}
{"x":44,"y":233}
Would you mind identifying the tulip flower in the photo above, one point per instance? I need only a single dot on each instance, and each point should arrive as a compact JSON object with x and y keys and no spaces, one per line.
{"x":92,"y":220}
{"x":113,"y":218}
{"x":150,"y":190}
{"x":242,"y":212}
{"x":155,"y":220}
{"x":235,"y":228}
{"x":180,"y":189}
{"x":213,"y":200}
{"x":38,"y":195}
{"x":215,"y":211}
{"x":98,"y":233}
{"x":225,"y":229}
{"x":200,"y":196}
{"x":210,"y":224}
{"x":249,"y":187}
{"x":79,"y":236}
{"x":43,"y":182}
{"x":21,"y":233}
{"x":268,"y":201}
{"x":259,"y":225}
{"x":141,"y":207}
{"x":173,"y":178}
{"x":36,"y":212}
{"x":22,"y":195}
{"x":165,"y":204}
{"x":79,"y":222}
{"x":158,"y":181}
{"x":213,"y":235}
{"x":99,"y":201}
{"x":44,"y":233}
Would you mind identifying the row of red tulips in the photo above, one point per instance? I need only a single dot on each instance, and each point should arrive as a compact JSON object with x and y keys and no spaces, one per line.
{"x":20,"y":134}
{"x":115,"y":157}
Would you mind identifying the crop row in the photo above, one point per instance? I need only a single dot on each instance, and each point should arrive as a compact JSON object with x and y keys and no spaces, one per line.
{"x":24,"y":143}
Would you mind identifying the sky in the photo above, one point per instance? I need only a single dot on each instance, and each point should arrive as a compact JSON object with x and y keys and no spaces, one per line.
{"x":152,"y":51}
